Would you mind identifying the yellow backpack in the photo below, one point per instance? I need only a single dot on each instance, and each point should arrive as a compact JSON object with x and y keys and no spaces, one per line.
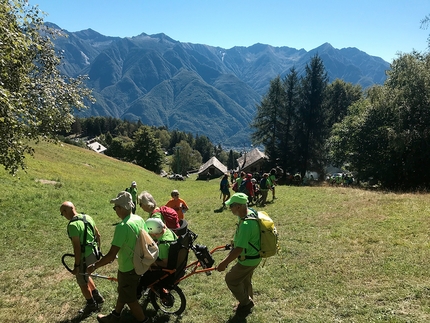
{"x":268,"y":234}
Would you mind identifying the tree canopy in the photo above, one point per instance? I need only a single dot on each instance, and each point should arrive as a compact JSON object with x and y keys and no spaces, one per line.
{"x":36,"y":101}
{"x":387,"y":135}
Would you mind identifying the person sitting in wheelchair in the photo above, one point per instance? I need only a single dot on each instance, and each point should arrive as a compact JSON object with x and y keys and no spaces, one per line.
{"x":164,"y":237}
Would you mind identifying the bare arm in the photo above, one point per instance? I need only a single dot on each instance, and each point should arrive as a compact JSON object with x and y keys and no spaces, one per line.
{"x":110,"y":256}
{"x":76,"y":243}
{"x":97,"y":237}
{"x":234,"y":253}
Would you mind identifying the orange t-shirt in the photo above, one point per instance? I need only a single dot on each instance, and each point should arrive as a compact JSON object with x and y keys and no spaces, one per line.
{"x":176,"y":205}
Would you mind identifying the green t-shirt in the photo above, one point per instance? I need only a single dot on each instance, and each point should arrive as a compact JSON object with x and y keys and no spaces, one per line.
{"x":125,"y":238}
{"x":133,"y":192}
{"x":76,"y":228}
{"x":271,"y":180}
{"x":164,"y":244}
{"x":247,"y":231}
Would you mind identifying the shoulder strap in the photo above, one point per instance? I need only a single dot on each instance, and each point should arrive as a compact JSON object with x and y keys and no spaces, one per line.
{"x":168,"y":241}
{"x":253,"y":216}
{"x":86,"y":225}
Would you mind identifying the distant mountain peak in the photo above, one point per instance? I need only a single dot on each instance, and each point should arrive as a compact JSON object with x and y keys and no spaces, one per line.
{"x":194,"y":87}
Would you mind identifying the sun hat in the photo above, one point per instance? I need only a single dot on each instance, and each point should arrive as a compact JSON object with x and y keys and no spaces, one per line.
{"x":239,"y":198}
{"x":124,"y":200}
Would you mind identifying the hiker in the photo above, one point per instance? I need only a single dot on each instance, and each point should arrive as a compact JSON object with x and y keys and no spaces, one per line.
{"x":239,"y":277}
{"x":272,"y":181}
{"x":86,"y":253}
{"x":123,"y":243}
{"x":247,"y":187}
{"x":178,"y":204}
{"x":224,"y":187}
{"x":165,"y":213}
{"x":133,"y":191}
{"x":264,"y":189}
{"x":163,"y":236}
{"x":256,"y":189}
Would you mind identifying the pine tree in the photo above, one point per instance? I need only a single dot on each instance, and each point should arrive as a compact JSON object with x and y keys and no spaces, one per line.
{"x":312,"y":127}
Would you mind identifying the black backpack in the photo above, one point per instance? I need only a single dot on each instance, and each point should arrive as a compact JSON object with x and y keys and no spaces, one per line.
{"x":263,"y":183}
{"x":243,"y":188}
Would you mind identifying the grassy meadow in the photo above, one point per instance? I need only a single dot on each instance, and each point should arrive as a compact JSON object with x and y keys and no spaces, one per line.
{"x":348,"y":255}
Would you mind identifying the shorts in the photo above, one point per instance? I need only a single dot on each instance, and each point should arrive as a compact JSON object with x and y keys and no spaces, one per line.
{"x":83,"y":279}
{"x":127,"y":286}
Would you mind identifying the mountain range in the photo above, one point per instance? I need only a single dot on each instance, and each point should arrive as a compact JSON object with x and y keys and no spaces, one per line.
{"x":195,"y":88}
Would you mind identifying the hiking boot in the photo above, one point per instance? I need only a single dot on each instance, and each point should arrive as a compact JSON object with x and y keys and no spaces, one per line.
{"x":89,"y":308}
{"x":110,"y":318}
{"x":98,"y":298}
{"x":244,"y":310}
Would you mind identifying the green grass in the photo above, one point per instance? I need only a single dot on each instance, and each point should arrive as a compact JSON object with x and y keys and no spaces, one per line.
{"x":348,"y":255}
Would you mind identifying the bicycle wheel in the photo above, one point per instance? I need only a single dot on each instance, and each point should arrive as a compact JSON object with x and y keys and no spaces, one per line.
{"x":170,"y":301}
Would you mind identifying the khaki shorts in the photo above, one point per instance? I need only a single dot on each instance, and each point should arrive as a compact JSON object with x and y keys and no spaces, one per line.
{"x":83,"y":279}
{"x":127,"y":286}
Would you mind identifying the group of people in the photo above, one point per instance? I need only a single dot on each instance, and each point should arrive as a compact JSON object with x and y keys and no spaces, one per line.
{"x":257,"y":191}
{"x":85,"y":238}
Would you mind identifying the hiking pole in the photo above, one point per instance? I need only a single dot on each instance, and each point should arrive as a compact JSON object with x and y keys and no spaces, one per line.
{"x":70,"y":255}
{"x":101,"y":276}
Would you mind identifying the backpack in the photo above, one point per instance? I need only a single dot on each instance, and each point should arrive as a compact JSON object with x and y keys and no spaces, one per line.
{"x":263,"y":184}
{"x":93,"y":243}
{"x":170,"y":217}
{"x":268,"y":234}
{"x":243,"y":188}
{"x":235,"y":188}
{"x":145,"y":251}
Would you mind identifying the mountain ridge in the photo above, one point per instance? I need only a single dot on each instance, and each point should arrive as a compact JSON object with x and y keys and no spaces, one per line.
{"x":195,"y":88}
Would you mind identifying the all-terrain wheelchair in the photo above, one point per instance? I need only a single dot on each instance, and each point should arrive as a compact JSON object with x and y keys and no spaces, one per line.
{"x":164,"y":293}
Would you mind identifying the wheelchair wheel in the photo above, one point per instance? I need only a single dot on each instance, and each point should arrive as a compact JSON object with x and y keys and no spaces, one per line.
{"x":170,"y":301}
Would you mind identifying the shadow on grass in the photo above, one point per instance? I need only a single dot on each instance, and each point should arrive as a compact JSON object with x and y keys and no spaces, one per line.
{"x":220,"y":210}
{"x":78,"y":318}
{"x":236,"y":319}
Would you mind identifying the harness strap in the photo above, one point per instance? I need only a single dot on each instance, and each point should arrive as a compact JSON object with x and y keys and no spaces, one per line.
{"x":85,"y":243}
{"x":254,"y":217}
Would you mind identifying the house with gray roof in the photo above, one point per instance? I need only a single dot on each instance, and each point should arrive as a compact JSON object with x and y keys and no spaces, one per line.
{"x":213,"y":168}
{"x":252,"y":161}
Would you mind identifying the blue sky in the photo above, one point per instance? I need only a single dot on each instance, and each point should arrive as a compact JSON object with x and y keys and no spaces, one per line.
{"x":378,"y":27}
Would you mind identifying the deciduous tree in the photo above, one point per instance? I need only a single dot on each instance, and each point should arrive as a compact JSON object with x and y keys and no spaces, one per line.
{"x":36,"y":101}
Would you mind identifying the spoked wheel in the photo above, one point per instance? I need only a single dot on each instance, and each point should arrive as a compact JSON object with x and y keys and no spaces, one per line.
{"x":170,"y":301}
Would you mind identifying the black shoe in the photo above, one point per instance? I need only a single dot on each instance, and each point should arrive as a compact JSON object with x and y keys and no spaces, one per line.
{"x":245,"y":310}
{"x":89,"y":308}
{"x":98,"y":298}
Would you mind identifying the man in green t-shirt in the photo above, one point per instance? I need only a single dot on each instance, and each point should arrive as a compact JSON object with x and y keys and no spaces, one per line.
{"x":85,"y":253}
{"x":133,"y":191}
{"x":239,"y":277}
{"x":123,"y":244}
